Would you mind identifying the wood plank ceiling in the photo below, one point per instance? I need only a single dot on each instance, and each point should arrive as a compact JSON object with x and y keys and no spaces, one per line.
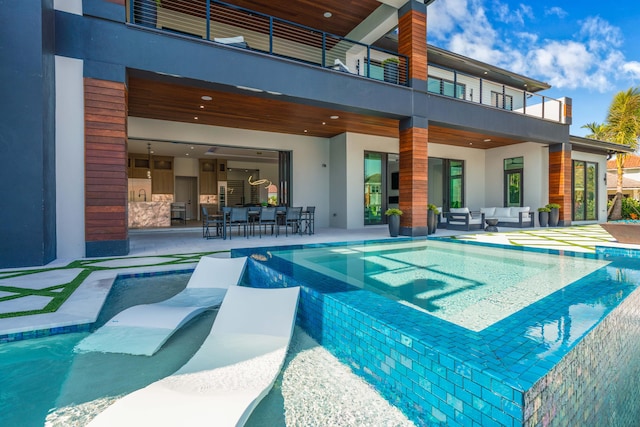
{"x":167,"y":101}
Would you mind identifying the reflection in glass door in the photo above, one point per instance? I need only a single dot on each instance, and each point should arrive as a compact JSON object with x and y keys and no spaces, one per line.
{"x":373,"y":165}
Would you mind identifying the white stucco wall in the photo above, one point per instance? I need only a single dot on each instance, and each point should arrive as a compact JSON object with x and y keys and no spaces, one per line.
{"x":69,"y":158}
{"x":70,"y":6}
{"x":601,"y":160}
{"x":356,"y":145}
{"x":474,"y":164}
{"x":535,"y":179}
{"x":338,"y":176}
{"x":310,"y":178}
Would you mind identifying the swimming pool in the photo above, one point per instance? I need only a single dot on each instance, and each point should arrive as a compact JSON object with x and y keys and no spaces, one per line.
{"x":568,"y":356}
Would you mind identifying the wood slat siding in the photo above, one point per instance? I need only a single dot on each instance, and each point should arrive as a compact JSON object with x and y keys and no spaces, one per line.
{"x":413,"y":177}
{"x":105,"y":160}
{"x":412,"y":41}
{"x":560,"y":182}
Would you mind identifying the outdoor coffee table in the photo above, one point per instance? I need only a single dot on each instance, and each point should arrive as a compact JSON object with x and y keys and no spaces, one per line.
{"x":491,"y":224}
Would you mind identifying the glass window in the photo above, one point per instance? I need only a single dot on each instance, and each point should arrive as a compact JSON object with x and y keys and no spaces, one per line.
{"x":513,"y":174}
{"x":446,"y":87}
{"x":373,"y":188}
{"x":585,"y":190}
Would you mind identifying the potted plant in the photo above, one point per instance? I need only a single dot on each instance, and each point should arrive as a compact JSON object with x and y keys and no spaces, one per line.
{"x":393,"y":215}
{"x":432,"y":218}
{"x":543,"y":216}
{"x":145,"y":12}
{"x":390,"y":67}
{"x":554,"y":214}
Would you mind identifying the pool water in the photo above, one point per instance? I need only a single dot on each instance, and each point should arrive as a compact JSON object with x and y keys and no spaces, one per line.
{"x":43,"y":382}
{"x":561,"y":349}
{"x":471,"y":286}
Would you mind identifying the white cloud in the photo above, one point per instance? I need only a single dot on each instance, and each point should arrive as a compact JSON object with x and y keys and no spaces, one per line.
{"x":632,"y":68}
{"x":556,"y":10}
{"x":590,"y":59}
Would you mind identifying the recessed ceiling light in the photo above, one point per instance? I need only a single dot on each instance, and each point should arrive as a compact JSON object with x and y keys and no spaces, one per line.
{"x":487,"y":140}
{"x":186,"y":154}
{"x":471,"y":143}
{"x":334,"y":117}
{"x":192,"y":147}
{"x":195,"y":118}
{"x":206,"y":98}
{"x":305,"y":131}
{"x":328,"y":14}
{"x":324,"y":123}
{"x":202,"y":106}
{"x":151,"y":151}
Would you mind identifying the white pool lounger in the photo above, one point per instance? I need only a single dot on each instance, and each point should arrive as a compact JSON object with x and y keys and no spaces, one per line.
{"x":143,"y":329}
{"x":228,"y":376}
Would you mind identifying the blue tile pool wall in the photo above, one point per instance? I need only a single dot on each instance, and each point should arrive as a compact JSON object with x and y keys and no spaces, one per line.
{"x":430,"y":386}
{"x":441,"y":374}
{"x":597,"y":383}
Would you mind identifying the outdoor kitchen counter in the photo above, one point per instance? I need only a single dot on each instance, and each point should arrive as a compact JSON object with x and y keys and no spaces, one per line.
{"x":149,"y":214}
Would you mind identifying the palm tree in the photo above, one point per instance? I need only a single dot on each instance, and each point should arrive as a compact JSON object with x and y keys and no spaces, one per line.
{"x":623,"y":127}
{"x":599,"y":131}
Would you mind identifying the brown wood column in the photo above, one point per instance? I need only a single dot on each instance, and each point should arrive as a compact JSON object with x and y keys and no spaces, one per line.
{"x":560,"y":179}
{"x":412,"y":39}
{"x":413,"y":181}
{"x":413,"y":147}
{"x":106,"y":226}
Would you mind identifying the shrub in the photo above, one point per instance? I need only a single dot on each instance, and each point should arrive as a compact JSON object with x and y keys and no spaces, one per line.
{"x":433,"y":208}
{"x":393,"y":211}
{"x":553,"y":206}
{"x":630,"y":207}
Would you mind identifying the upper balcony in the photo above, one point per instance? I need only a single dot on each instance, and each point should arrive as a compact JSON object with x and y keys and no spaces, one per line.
{"x":449,"y":75}
{"x":238,"y":27}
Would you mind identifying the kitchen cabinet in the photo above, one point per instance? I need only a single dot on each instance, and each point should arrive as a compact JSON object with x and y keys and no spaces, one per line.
{"x":162,"y":175}
{"x":208,"y":177}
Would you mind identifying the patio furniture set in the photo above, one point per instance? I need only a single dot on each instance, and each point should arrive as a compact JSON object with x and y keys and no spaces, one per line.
{"x":295,"y":220}
{"x":488,"y":218}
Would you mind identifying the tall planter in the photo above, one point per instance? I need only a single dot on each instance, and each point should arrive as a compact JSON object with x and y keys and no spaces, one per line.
{"x":394,"y":225}
{"x":432,"y":221}
{"x":543,"y":218}
{"x":554,"y":217}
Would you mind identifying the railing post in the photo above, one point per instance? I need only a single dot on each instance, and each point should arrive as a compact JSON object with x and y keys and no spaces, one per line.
{"x":208,"y":18}
{"x":480,"y":98}
{"x":368,"y":61}
{"x":455,"y":84}
{"x":324,"y":49}
{"x":543,"y":106}
{"x":504,"y":98}
{"x":524,"y":102}
{"x":271,"y":35}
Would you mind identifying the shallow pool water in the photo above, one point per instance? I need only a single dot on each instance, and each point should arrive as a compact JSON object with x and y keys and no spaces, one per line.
{"x":471,"y":286}
{"x":44,"y":382}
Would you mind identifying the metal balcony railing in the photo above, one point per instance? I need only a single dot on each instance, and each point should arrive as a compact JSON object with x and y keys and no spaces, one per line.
{"x":243,"y":28}
{"x":453,"y":83}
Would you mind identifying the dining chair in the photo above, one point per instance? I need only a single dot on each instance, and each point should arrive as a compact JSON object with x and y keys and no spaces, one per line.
{"x":267,"y":217}
{"x":293,"y":219}
{"x":309,"y":220}
{"x":207,"y":221}
{"x":239,"y":217}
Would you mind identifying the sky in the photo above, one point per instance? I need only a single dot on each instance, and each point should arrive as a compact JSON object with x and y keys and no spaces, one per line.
{"x":586,"y":50}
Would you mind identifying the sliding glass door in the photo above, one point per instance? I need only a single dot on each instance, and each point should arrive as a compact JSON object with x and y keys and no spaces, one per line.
{"x":446,"y":183}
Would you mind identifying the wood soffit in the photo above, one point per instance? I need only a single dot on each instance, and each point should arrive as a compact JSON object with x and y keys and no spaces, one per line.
{"x":172,"y":102}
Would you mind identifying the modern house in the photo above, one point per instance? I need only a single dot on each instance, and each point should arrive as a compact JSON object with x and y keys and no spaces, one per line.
{"x":119,"y":115}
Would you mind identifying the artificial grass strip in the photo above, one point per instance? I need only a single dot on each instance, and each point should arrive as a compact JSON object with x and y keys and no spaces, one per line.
{"x":60,"y":293}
